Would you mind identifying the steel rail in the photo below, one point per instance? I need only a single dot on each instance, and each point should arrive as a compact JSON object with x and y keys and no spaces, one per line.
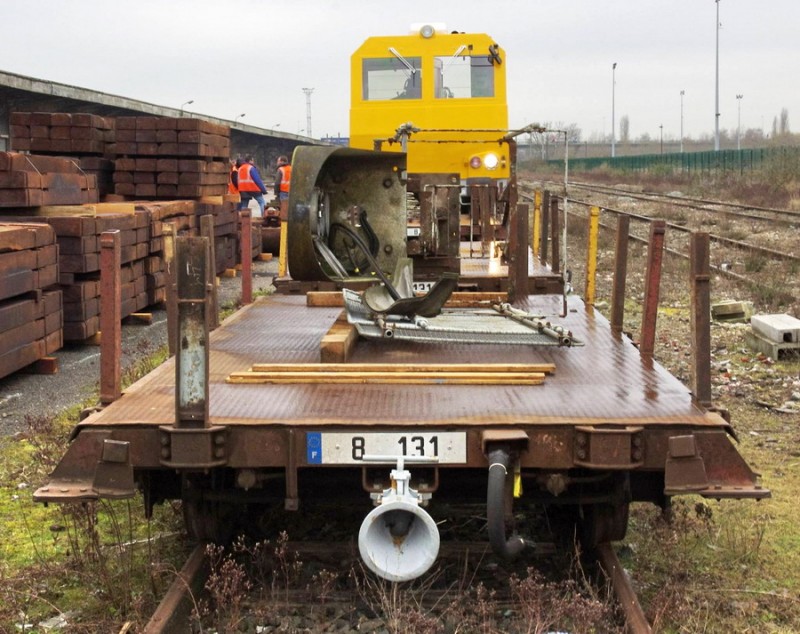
{"x":174,"y":612}
{"x":635,"y":620}
{"x":772,"y":253}
{"x":719,"y":240}
{"x":687,"y":201}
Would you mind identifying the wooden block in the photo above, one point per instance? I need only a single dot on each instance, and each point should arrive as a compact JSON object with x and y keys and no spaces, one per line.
{"x":338,"y":343}
{"x":140,"y":318}
{"x":45,"y":365}
{"x":265,"y":257}
{"x":325,"y":299}
{"x":229,"y":273}
{"x":94,"y":340}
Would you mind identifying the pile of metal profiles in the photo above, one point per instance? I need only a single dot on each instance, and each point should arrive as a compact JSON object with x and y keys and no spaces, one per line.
{"x":86,"y":138}
{"x":31,"y":181}
{"x":500,"y":324}
{"x":78,"y":238}
{"x":61,"y":133}
{"x":30,"y":305}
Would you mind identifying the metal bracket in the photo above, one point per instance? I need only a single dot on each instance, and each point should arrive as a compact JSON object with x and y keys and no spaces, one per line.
{"x":685,"y":470}
{"x":95,"y":466}
{"x":608,"y":448}
{"x":193,"y":448}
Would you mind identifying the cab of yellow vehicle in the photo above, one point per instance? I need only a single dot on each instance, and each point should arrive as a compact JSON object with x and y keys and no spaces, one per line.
{"x":451,"y":88}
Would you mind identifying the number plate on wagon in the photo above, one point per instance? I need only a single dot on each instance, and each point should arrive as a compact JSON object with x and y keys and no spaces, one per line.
{"x":350,"y":448}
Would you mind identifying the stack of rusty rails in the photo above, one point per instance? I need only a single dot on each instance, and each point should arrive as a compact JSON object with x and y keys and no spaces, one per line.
{"x":30,"y":303}
{"x":86,"y":138}
{"x":168,"y":158}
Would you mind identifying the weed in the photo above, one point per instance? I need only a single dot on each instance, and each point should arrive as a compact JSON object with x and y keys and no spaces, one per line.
{"x":228,"y":586}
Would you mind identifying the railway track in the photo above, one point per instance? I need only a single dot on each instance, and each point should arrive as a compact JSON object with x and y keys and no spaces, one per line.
{"x":759,"y":267}
{"x":179,"y":608}
{"x":731,"y":209}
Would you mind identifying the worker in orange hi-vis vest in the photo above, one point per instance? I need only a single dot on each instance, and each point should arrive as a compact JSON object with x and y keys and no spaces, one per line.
{"x":233,"y":177}
{"x":251,"y":186}
{"x":283,"y":178}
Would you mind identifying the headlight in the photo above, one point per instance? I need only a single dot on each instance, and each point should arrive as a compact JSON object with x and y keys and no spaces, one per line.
{"x":475,"y":162}
{"x":427,"y":31}
{"x":490,"y":161}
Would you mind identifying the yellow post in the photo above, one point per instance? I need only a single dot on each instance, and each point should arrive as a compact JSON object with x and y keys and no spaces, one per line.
{"x":282,"y":246}
{"x":537,"y":221}
{"x":591,"y":254}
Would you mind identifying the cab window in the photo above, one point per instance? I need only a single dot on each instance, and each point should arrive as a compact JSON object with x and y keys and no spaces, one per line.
{"x":389,"y":78}
{"x":463,"y":77}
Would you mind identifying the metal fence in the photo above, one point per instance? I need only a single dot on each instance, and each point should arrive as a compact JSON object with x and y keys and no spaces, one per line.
{"x":692,"y":162}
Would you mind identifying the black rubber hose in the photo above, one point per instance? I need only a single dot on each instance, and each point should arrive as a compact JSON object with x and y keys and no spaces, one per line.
{"x":359,"y":242}
{"x":509,"y":548}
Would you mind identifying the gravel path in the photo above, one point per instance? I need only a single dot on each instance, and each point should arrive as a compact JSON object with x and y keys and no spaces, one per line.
{"x":33,"y":395}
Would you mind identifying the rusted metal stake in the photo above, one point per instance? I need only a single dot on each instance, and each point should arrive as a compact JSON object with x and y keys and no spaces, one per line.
{"x":110,"y":316}
{"x":555,"y":227}
{"x":191,"y":360}
{"x":487,"y":213}
{"x":518,"y":253}
{"x":701,"y":317}
{"x":591,"y":255}
{"x":247,"y":257}
{"x":620,"y":274}
{"x":655,"y":256}
{"x":207,"y":231}
{"x":474,"y":213}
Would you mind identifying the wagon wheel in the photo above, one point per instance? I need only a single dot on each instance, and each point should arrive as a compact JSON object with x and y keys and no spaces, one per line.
{"x":603,"y":523}
{"x":607,"y":521}
{"x":206,"y":520}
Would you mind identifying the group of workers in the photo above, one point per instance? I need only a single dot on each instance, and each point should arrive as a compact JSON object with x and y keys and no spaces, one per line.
{"x":245,"y":180}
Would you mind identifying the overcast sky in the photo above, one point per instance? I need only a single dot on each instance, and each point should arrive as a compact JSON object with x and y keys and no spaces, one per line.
{"x":256,"y":56}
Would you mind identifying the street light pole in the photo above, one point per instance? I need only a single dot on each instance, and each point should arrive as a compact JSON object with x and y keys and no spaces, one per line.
{"x":186,"y":103}
{"x":239,"y":116}
{"x":739,"y":122}
{"x":308,"y":92}
{"x":613,"y":91}
{"x":716,"y":97}
{"x":682,"y":93}
{"x":661,"y":130}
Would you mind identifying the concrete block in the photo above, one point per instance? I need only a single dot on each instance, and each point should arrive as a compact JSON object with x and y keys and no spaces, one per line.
{"x":778,"y":328}
{"x":731,"y":310}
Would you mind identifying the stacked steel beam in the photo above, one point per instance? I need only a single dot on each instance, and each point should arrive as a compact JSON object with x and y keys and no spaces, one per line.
{"x":28,"y":180}
{"x":78,"y":238}
{"x":30,"y":304}
{"x":87,"y":138}
{"x":170,"y":158}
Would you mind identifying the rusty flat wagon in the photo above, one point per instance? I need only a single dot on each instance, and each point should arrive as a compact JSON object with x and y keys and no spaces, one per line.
{"x":335,"y":395}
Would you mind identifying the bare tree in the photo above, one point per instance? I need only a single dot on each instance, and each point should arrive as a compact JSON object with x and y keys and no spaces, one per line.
{"x":624,"y":129}
{"x":552,"y":136}
{"x":784,"y":122}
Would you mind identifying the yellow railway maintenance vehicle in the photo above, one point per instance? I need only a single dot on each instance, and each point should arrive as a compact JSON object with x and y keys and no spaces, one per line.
{"x":449,"y":91}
